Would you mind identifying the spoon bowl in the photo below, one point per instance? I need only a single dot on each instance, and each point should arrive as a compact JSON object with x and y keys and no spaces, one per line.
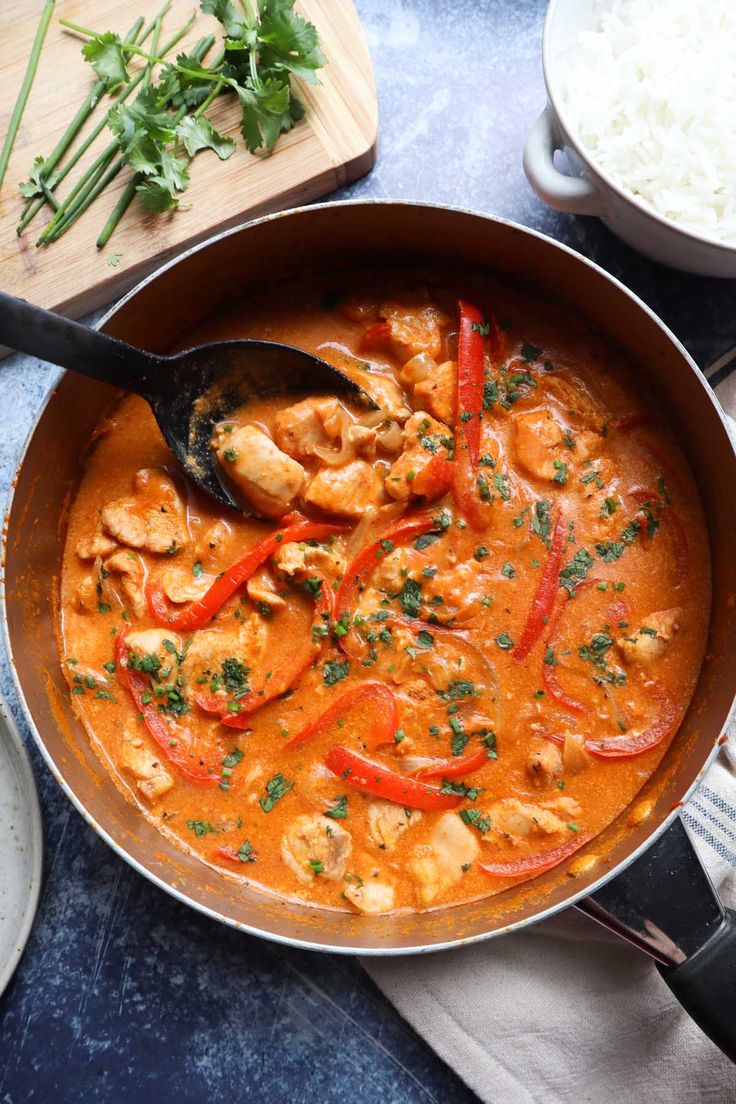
{"x":189,"y":392}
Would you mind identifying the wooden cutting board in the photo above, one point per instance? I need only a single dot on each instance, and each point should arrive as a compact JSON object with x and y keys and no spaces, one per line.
{"x":334,"y":144}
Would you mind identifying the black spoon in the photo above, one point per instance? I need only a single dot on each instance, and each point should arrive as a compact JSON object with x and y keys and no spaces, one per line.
{"x":188,"y":392}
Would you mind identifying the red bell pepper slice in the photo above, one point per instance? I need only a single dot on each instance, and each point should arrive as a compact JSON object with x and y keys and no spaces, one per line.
{"x":434,"y":480}
{"x":374,"y":778}
{"x":535,"y":864}
{"x":544,"y":599}
{"x":366,"y":561}
{"x":382,"y":711}
{"x":453,"y":768}
{"x":175,"y":743}
{"x":627,"y":746}
{"x":294,"y":527}
{"x":280,"y":681}
{"x":553,"y":688}
{"x":470,"y":383}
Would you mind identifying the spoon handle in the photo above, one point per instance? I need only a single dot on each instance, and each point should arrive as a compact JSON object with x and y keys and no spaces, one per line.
{"x":58,"y":340}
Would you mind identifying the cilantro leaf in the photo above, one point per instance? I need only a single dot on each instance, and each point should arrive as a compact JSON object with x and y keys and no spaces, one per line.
{"x":276,"y":788}
{"x":229,"y":14}
{"x":335,"y":670}
{"x":198,"y":133}
{"x":105,"y":55}
{"x":410,"y":598}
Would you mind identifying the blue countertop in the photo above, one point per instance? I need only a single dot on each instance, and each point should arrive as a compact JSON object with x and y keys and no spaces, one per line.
{"x":125,"y":994}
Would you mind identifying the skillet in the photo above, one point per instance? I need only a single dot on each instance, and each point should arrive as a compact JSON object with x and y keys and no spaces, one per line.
{"x":653,"y":890}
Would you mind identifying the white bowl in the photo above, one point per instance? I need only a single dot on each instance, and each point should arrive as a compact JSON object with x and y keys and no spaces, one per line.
{"x":591,"y":191}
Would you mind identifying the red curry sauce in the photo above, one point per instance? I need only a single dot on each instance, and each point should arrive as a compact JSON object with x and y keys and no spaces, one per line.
{"x":461,"y":640}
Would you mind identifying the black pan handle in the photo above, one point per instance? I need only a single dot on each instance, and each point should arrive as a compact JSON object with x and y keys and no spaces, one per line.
{"x":665,"y":904}
{"x":58,"y":340}
{"x":705,"y":985}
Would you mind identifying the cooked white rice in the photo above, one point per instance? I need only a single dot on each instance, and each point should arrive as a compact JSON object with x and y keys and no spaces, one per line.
{"x":651,"y":94}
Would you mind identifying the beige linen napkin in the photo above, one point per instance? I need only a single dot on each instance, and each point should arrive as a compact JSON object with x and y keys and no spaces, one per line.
{"x":563,"y":1012}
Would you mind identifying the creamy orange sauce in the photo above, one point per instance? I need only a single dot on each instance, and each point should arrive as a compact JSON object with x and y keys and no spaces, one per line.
{"x":568,"y":438}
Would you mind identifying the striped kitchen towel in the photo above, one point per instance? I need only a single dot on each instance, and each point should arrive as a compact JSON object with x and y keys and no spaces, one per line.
{"x":563,"y":1012}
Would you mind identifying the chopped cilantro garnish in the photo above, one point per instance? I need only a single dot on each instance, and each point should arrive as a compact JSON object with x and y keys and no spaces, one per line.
{"x":339,"y":810}
{"x":576,"y":570}
{"x":560,"y":475}
{"x":276,"y":788}
{"x":425,"y":540}
{"x":475,"y":819}
{"x":410,"y":598}
{"x":458,"y":690}
{"x":245,"y":852}
{"x":335,"y":670}
{"x":530,"y":352}
{"x":201,"y":827}
{"x":541,"y":520}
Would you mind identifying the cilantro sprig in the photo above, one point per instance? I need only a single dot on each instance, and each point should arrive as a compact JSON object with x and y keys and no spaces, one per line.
{"x":159,"y":132}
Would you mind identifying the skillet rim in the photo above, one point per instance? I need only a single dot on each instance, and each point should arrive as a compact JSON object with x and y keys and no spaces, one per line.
{"x":375,"y":951}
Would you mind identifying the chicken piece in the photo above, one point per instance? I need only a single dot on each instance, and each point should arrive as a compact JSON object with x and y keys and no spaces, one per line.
{"x":422,"y":431}
{"x":438,"y":864}
{"x":424,"y":438}
{"x":363,"y":440}
{"x":566,"y":805}
{"x":392,"y":571}
{"x":414,"y":329}
{"x":316,"y":846}
{"x":152,"y":779}
{"x":161,"y":643}
{"x":544,"y":765}
{"x":297,"y":559}
{"x":574,"y":397}
{"x":384,"y":390}
{"x":513,"y":818}
{"x":387,"y":822}
{"x":179,"y":585}
{"x":242,"y":643}
{"x":418,"y":369}
{"x":261,"y":589}
{"x":268,"y":478}
{"x":215,"y":546}
{"x":461,"y":590}
{"x":154,"y":518}
{"x":539,"y":441}
{"x":352,"y":491}
{"x":311,"y":424}
{"x":652,"y":640}
{"x":126,"y":569}
{"x":438,"y":393}
{"x":370,"y":896}
{"x":98,"y":544}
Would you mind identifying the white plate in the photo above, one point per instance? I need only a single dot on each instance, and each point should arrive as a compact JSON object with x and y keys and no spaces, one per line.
{"x":21,"y":846}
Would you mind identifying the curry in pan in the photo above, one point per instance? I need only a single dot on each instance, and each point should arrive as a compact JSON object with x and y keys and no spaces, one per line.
{"x":453,"y":639}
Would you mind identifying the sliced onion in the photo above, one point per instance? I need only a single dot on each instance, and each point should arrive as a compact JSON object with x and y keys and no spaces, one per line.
{"x":391,"y":439}
{"x":419,"y":368}
{"x":336,"y":458}
{"x":574,"y":756}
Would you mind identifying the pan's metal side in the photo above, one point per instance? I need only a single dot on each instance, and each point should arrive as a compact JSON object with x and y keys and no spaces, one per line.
{"x":155,"y":316}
